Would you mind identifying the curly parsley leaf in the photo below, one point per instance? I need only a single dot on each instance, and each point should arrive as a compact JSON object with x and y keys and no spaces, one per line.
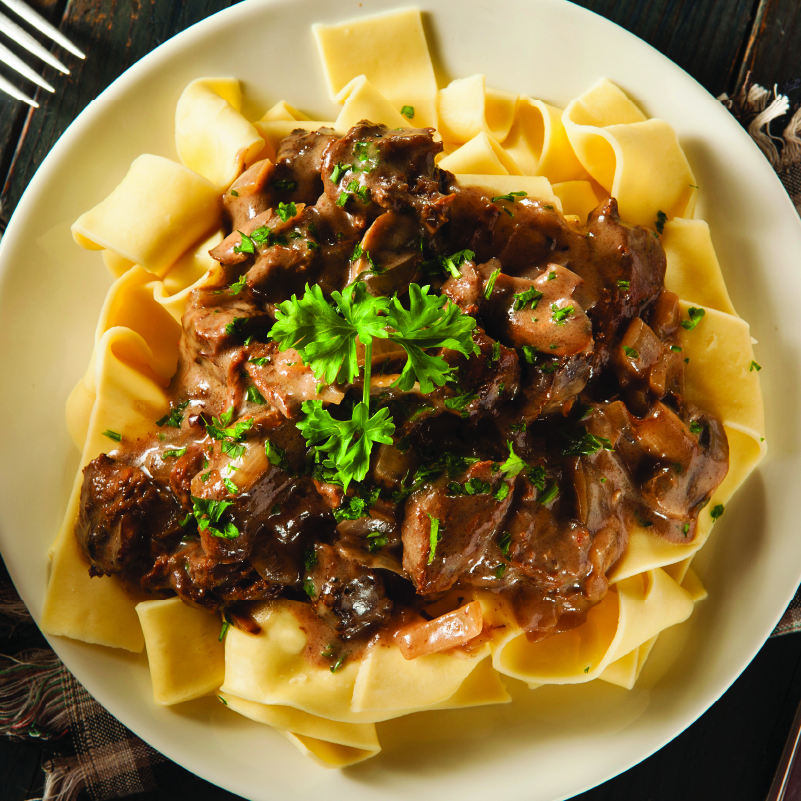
{"x":207,"y":513}
{"x":430,"y":322}
{"x":324,"y":335}
{"x":345,"y":445}
{"x":514,"y":464}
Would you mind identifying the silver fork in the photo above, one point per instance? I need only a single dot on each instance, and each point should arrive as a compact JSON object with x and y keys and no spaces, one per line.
{"x":24,"y":39}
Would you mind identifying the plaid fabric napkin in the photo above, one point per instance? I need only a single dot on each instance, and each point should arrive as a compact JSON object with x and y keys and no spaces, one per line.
{"x":90,"y":753}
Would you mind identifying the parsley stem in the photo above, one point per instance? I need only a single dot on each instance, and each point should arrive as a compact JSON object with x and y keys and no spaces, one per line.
{"x":368,"y":364}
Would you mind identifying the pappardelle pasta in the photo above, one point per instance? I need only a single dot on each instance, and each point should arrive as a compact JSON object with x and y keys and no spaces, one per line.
{"x":387,"y":410}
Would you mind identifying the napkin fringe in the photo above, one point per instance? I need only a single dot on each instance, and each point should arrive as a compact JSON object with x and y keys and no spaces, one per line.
{"x":66,"y":779}
{"x":32,"y":700}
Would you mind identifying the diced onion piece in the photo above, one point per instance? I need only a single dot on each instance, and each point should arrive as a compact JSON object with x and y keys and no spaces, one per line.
{"x":446,"y":631}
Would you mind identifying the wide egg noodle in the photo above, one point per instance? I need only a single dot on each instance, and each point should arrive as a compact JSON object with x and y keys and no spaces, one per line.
{"x":211,"y":135}
{"x":129,"y":397}
{"x":467,"y":107}
{"x":693,"y":271}
{"x":184,"y":651}
{"x":391,"y":51}
{"x":272,"y":668}
{"x":481,"y":155}
{"x":128,"y":304}
{"x":632,"y":612}
{"x":538,"y":143}
{"x":535,"y":186}
{"x":639,"y":161}
{"x":283,"y":111}
{"x":578,"y":197}
{"x":331,"y":743}
{"x":158,"y":211}
{"x":362,"y":101}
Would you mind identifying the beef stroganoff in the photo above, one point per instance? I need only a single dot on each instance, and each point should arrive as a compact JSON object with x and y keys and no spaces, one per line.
{"x":387,"y":408}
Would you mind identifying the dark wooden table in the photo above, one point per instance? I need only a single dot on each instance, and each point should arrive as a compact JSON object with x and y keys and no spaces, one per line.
{"x":732,"y":751}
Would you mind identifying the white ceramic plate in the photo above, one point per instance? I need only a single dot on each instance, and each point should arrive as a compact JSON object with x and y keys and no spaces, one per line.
{"x":552,"y":743}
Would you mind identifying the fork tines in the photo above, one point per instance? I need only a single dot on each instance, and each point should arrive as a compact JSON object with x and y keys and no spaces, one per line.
{"x":24,"y":39}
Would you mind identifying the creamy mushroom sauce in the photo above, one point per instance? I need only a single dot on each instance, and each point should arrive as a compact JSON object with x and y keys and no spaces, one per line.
{"x":567,"y":428}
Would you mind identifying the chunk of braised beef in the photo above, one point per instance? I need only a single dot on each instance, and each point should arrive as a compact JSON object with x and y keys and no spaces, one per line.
{"x":349,"y":597}
{"x":390,"y":255}
{"x":123,"y":515}
{"x":298,"y":164}
{"x":186,"y":467}
{"x":250,"y":195}
{"x":486,"y":379}
{"x":200,"y":580}
{"x":284,"y":381}
{"x":466,"y":520}
{"x":281,"y":545}
{"x":215,"y":321}
{"x":391,"y":170}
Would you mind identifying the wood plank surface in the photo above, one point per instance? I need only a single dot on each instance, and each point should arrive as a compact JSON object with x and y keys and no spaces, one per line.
{"x":731,"y":752}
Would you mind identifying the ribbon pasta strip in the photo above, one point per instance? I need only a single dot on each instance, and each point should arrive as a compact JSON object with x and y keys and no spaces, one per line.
{"x":155,"y":230}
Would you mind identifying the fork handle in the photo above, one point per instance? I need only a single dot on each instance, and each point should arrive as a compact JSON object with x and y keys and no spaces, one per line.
{"x":787,"y":781}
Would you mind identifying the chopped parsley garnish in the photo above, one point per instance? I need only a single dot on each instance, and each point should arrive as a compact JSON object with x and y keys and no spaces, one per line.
{"x":355,"y":506}
{"x":112,"y":435}
{"x":308,"y":588}
{"x":221,"y":429}
{"x":717,"y":511}
{"x":696,"y":316}
{"x":580,"y":442}
{"x":502,"y":492}
{"x":754,"y":366}
{"x":246,"y":245}
{"x":661,"y":219}
{"x":175,"y":416}
{"x":504,"y":543}
{"x":529,"y":354}
{"x":500,"y":570}
{"x":434,"y":537}
{"x":685,"y":529}
{"x":226,"y":624}
{"x":338,"y":664}
{"x":230,"y":486}
{"x":491,"y":283}
{"x":207,"y":513}
{"x":276,"y":456}
{"x":536,"y":475}
{"x":285,"y":186}
{"x":286,"y":210}
{"x":235,"y":326}
{"x":632,"y":353}
{"x":623,"y":284}
{"x":174,"y":453}
{"x":510,"y":196}
{"x":408,"y":112}
{"x":261,"y":361}
{"x":338,"y":171}
{"x":550,"y":494}
{"x":560,"y":315}
{"x":459,"y":402}
{"x":552,"y":273}
{"x":234,"y":193}
{"x":675,"y":348}
{"x":474,"y":486}
{"x":531,"y":296}
{"x":254,"y":396}
{"x":238,"y":286}
{"x":448,"y":264}
{"x":514,"y":464}
{"x":696,"y":428}
{"x":310,"y":557}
